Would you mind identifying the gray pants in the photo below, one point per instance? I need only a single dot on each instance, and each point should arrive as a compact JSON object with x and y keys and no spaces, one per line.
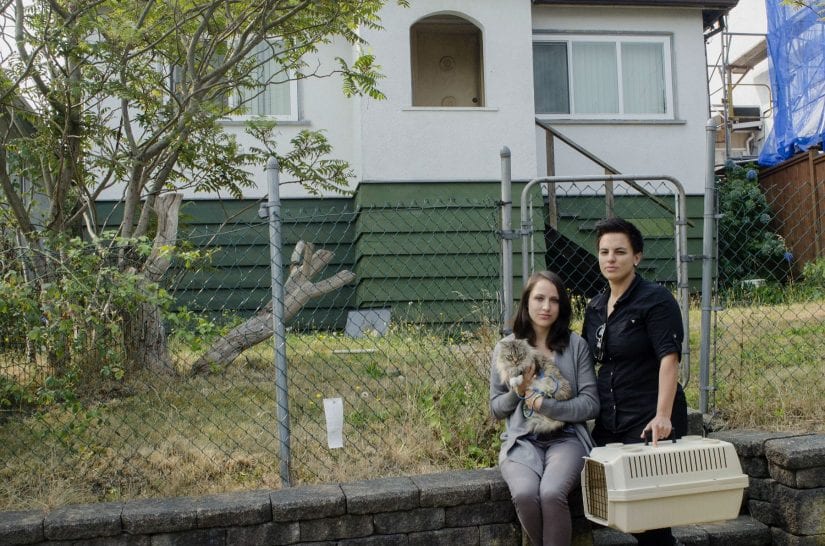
{"x":541,"y":501}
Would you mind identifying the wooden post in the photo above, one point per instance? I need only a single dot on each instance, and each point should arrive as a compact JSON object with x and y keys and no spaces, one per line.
{"x":815,"y":212}
{"x":552,"y":209}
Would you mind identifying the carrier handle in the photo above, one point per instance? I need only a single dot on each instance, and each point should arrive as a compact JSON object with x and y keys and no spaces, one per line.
{"x":649,"y":436}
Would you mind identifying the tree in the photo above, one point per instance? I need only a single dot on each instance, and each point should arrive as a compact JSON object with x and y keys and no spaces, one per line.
{"x":129,"y":95}
{"x":816,"y":5}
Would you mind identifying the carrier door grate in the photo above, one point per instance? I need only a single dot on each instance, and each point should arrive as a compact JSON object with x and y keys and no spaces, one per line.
{"x":596,"y":485}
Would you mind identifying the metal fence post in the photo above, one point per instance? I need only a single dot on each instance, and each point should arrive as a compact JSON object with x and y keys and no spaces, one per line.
{"x":278,"y":327}
{"x":707,"y":267}
{"x":506,"y":241}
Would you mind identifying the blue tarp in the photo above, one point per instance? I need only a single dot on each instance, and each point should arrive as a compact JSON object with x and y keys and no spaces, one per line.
{"x":796,"y":53}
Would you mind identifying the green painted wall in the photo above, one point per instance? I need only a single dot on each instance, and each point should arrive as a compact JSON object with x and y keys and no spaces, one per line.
{"x":579,"y":214}
{"x":237,"y":278}
{"x":428,"y":251}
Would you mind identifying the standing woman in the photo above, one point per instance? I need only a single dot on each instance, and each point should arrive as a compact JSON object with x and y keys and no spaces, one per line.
{"x":634,"y":330}
{"x":542,"y":470}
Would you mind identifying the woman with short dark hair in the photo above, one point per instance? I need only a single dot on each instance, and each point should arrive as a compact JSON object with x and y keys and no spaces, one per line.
{"x":634,"y":330}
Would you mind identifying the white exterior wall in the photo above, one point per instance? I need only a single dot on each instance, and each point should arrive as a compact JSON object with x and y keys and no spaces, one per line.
{"x":674,"y":148}
{"x":321,"y":105}
{"x":400,"y":142}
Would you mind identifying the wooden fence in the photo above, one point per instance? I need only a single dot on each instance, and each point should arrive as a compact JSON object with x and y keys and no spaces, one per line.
{"x":795,"y":190}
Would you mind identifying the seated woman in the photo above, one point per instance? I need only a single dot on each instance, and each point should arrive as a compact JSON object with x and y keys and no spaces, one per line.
{"x":542,"y":469}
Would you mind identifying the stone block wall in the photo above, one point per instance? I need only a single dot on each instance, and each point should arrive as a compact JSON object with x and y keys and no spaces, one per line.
{"x":465,"y":507}
{"x":786,"y":493}
{"x":787,"y":483}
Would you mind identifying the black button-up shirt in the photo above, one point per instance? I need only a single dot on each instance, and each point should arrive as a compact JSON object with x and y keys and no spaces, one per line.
{"x":645,"y":326}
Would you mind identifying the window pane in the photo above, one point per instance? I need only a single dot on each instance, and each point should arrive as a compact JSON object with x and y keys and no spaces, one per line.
{"x":643,"y":78}
{"x":595,"y":78}
{"x":550,"y":78}
{"x":274,"y":98}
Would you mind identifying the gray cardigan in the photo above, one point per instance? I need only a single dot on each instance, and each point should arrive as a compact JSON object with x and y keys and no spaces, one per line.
{"x":576,"y":365}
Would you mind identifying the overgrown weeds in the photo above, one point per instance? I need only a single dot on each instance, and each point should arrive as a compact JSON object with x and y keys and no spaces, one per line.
{"x":415,"y":401}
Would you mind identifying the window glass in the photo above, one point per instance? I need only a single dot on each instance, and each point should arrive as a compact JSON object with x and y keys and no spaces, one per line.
{"x":550,"y":78}
{"x":643,"y":78}
{"x":595,"y":77}
{"x":274,"y":99}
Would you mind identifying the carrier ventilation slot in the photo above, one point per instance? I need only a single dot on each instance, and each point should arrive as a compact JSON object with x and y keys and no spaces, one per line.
{"x":596,"y":497}
{"x":676,"y":462}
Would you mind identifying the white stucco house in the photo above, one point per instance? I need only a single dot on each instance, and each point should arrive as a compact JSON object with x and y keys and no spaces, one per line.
{"x":624,"y":79}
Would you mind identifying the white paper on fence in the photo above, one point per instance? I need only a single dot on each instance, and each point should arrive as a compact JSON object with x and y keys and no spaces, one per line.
{"x":334,"y":413}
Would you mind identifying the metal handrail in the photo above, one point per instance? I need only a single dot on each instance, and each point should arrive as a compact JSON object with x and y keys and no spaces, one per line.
{"x":609,"y":169}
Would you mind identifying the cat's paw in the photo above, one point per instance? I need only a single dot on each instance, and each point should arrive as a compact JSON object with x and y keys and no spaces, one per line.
{"x":515,"y":381}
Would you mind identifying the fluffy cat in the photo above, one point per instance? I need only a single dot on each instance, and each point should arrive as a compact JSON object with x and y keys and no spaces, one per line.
{"x":514,"y":357}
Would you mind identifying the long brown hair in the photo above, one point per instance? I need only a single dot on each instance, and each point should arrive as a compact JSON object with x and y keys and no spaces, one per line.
{"x":558,"y":338}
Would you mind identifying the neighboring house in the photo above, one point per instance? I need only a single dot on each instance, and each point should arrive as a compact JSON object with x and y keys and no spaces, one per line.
{"x":13,"y":125}
{"x":625,"y":79}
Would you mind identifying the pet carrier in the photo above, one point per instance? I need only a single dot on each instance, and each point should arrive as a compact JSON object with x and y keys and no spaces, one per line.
{"x":636,"y":487}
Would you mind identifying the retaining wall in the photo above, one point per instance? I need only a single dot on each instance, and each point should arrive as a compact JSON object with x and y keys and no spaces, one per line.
{"x":787,"y":483}
{"x":786,"y":499}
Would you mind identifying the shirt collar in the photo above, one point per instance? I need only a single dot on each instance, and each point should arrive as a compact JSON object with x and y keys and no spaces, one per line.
{"x":603,"y":297}
{"x":637,"y":280}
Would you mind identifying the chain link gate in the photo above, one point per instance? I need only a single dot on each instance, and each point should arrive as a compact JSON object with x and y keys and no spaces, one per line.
{"x":579,"y":202}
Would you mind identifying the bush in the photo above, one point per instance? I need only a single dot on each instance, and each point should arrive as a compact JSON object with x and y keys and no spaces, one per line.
{"x":813,"y":273}
{"x":748,"y":249}
{"x":68,"y":325}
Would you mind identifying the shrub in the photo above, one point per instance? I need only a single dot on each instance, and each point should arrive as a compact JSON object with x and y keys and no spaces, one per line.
{"x":748,"y":248}
{"x":813,"y":273}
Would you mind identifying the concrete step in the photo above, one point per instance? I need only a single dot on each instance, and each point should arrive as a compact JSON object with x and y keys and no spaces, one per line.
{"x":742,"y":531}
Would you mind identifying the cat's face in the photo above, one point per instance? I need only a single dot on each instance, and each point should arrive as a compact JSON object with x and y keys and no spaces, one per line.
{"x":515,"y":350}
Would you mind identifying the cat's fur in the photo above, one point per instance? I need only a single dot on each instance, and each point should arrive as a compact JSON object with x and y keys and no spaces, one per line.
{"x":514,"y":357}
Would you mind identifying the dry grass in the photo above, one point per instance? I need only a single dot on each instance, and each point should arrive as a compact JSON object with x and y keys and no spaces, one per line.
{"x":415,"y":401}
{"x":771,"y":366}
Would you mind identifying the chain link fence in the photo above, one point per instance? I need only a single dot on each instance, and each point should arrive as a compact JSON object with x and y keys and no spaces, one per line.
{"x":393,"y":310}
{"x":769,"y":330}
{"x":403,"y":340}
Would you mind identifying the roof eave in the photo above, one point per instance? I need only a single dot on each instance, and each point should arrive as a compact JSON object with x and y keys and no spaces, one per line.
{"x":712,"y":10}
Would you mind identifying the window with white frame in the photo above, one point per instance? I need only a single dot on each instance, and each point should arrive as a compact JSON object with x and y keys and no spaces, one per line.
{"x":276,"y":97}
{"x":602,"y":77}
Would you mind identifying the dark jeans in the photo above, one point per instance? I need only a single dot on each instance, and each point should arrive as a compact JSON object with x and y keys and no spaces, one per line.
{"x":654,"y":537}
